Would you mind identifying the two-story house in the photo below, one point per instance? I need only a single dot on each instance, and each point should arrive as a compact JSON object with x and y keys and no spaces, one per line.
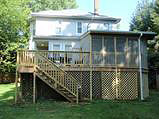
{"x":80,"y":55}
{"x":61,"y":30}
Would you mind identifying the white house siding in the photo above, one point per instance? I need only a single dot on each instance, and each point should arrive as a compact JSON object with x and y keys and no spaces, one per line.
{"x":48,"y":26}
{"x":45,"y":27}
{"x":85,"y":43}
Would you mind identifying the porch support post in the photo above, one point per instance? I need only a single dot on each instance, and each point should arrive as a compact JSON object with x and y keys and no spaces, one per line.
{"x":91,"y":68}
{"x":16,"y":78}
{"x":116,"y":70}
{"x":140,"y":68}
{"x":16,"y":87}
{"x":34,"y":88}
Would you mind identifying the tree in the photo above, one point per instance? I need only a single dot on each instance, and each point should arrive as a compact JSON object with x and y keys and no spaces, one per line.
{"x":155,"y":16}
{"x":146,"y":18}
{"x":39,"y":5}
{"x":14,"y":26}
{"x":13,"y":31}
{"x":141,"y":19}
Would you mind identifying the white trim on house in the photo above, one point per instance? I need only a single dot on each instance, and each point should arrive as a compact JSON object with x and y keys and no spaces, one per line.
{"x":74,"y":14}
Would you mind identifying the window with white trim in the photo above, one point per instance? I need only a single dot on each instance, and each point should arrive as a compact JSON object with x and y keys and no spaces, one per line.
{"x":58,"y":28}
{"x":79,"y":27}
{"x":33,"y":28}
{"x":108,"y":26}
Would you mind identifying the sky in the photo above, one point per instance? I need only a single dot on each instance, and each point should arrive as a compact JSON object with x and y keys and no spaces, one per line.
{"x":114,"y":8}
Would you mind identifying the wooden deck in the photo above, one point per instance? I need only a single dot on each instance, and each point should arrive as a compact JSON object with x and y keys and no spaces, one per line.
{"x":75,"y":76}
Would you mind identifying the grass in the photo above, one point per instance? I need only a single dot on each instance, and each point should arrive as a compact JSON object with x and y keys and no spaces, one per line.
{"x":148,"y":109}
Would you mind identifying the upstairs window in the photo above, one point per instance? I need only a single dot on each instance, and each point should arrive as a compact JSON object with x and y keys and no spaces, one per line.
{"x":33,"y":28}
{"x":108,"y":26}
{"x":79,"y":27}
{"x":58,"y":28}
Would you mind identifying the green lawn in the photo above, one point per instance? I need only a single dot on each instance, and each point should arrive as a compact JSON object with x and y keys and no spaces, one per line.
{"x":148,"y":109}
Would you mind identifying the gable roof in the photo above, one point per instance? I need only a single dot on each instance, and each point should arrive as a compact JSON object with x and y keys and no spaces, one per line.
{"x":74,"y":14}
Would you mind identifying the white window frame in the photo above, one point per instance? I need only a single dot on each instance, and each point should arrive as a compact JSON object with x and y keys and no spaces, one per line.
{"x":34,"y":28}
{"x":110,"y":26}
{"x":59,"y":27}
{"x":78,"y":27}
{"x":106,"y":25}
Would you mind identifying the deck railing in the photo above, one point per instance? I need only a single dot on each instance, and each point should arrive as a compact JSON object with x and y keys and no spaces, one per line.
{"x":75,"y":58}
{"x":27,"y":58}
{"x":67,"y":57}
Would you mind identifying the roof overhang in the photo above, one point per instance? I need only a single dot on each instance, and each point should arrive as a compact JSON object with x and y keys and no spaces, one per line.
{"x":145,"y":35}
{"x":56,"y":37}
{"x":101,"y":18}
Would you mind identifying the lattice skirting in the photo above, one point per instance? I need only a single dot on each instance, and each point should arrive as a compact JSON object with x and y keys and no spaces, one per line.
{"x":127,"y":86}
{"x":27,"y":86}
{"x":145,"y":84}
{"x":43,"y":91}
{"x":83,"y":77}
{"x":108,"y":85}
{"x":121,"y":85}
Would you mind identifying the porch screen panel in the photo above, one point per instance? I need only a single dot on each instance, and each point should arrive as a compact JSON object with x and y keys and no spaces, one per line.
{"x":97,"y":57}
{"x":144,"y":53}
{"x":109,"y":56}
{"x":133,"y":52}
{"x":121,"y":51}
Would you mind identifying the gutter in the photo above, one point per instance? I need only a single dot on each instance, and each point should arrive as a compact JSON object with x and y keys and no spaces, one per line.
{"x":100,"y":19}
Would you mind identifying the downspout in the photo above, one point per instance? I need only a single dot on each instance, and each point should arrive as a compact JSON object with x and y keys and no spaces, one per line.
{"x":140,"y":67}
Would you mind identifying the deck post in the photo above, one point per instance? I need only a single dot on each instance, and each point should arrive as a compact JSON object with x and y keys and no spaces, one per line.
{"x":116,"y":70}
{"x":91,"y":68}
{"x":16,"y":79}
{"x":16,"y":87}
{"x":34,"y":88}
{"x":65,"y":55}
{"x":81,"y":77}
{"x":77,"y":96}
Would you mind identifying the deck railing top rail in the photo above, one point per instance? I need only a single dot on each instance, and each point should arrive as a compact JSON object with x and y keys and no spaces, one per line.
{"x":74,"y":58}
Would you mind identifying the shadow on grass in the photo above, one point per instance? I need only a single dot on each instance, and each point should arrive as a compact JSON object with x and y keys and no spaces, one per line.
{"x":99,"y":109}
{"x":7,"y":97}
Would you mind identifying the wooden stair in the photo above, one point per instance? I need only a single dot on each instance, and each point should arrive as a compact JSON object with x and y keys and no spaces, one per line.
{"x":56,"y":78}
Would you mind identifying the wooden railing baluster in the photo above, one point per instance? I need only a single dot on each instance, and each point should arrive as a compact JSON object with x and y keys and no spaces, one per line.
{"x":48,"y":62}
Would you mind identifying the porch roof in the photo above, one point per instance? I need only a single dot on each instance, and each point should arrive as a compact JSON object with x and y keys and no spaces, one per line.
{"x":146,"y":35}
{"x":56,"y":37}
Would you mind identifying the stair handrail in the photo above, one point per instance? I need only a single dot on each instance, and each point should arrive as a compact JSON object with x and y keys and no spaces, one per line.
{"x":75,"y":81}
{"x":60,"y":69}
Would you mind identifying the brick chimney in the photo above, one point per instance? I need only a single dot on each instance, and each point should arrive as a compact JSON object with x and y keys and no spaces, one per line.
{"x":96,"y":7}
